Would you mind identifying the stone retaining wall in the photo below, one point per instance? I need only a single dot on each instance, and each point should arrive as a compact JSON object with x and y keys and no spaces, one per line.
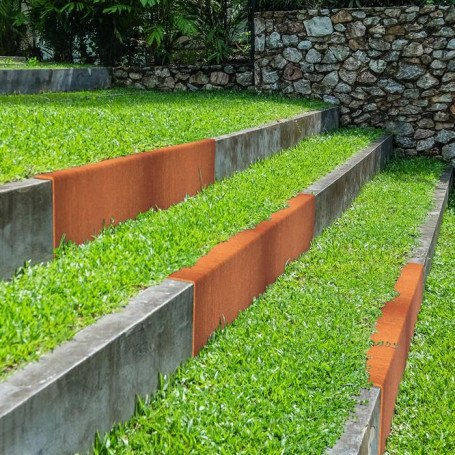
{"x":174,"y":78}
{"x":386,"y":67}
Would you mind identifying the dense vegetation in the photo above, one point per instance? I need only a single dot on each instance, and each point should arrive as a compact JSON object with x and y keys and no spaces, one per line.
{"x":281,"y":378}
{"x":45,"y":305}
{"x":137,"y":31}
{"x":423,"y":421}
{"x":57,"y":130}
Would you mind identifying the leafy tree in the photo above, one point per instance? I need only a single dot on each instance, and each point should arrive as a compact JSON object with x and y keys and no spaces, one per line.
{"x":12,"y":26}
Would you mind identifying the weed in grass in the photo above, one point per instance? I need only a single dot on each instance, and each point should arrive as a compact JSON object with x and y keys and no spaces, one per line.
{"x":46,"y":305}
{"x":424,"y":418}
{"x":41,"y":133}
{"x":281,"y":377}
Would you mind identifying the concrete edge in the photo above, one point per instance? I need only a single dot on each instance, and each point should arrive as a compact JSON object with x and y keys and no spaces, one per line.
{"x":26,"y":224}
{"x":90,"y":383}
{"x":357,"y":435}
{"x":361,"y":431}
{"x":37,"y":80}
{"x":336,"y":191}
{"x":429,"y":231}
{"x":237,"y":151}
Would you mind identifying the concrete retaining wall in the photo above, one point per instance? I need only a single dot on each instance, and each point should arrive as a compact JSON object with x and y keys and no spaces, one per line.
{"x":37,"y":80}
{"x":83,"y":197}
{"x":361,"y":435}
{"x":237,"y":151}
{"x":26,"y":230}
{"x":56,"y":405}
{"x":335,"y":192}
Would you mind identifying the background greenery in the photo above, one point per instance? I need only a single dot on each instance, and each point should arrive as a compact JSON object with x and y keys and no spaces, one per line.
{"x":144,"y":31}
{"x":137,"y":31}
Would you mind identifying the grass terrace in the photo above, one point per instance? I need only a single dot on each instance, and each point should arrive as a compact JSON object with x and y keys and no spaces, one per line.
{"x":46,"y":305}
{"x":423,"y":421}
{"x":41,"y":133}
{"x":281,"y":377}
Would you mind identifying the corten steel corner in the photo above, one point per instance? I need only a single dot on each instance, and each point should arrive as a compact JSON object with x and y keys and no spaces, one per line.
{"x":234,"y":272}
{"x":88,"y":198}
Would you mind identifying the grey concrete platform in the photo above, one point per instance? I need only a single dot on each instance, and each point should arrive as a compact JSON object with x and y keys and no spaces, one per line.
{"x":55,"y":406}
{"x":26,"y":224}
{"x":335,"y":192}
{"x":429,"y":231}
{"x":361,"y":433}
{"x":237,"y":151}
{"x":37,"y":80}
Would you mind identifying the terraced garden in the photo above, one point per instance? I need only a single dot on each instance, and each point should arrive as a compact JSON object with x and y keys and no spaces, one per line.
{"x":58,"y":130}
{"x":45,"y":305}
{"x":281,"y":378}
{"x":423,"y":421}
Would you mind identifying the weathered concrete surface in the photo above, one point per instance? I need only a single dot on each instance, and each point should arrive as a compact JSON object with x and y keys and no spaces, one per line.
{"x":237,"y":151}
{"x":56,"y":405}
{"x":361,"y":431}
{"x":39,"y":80}
{"x":26,"y":224}
{"x":336,"y":191}
{"x":429,"y":231}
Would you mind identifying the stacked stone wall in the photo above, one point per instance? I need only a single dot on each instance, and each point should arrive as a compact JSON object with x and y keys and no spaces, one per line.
{"x":180,"y":78}
{"x":387,"y":67}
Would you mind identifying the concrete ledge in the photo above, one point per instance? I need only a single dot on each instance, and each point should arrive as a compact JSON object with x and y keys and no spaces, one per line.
{"x":336,"y":191}
{"x":26,"y":226}
{"x":361,"y":434}
{"x":429,"y":232}
{"x":37,"y":80}
{"x":236,"y":151}
{"x":56,"y":405}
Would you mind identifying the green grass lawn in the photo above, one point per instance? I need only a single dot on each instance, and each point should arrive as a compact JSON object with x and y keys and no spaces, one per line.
{"x":40,"y":133}
{"x":45,"y":305}
{"x":424,"y":420}
{"x":281,"y":378}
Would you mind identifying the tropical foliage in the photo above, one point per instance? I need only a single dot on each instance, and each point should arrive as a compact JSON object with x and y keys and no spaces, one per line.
{"x":139,"y":31}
